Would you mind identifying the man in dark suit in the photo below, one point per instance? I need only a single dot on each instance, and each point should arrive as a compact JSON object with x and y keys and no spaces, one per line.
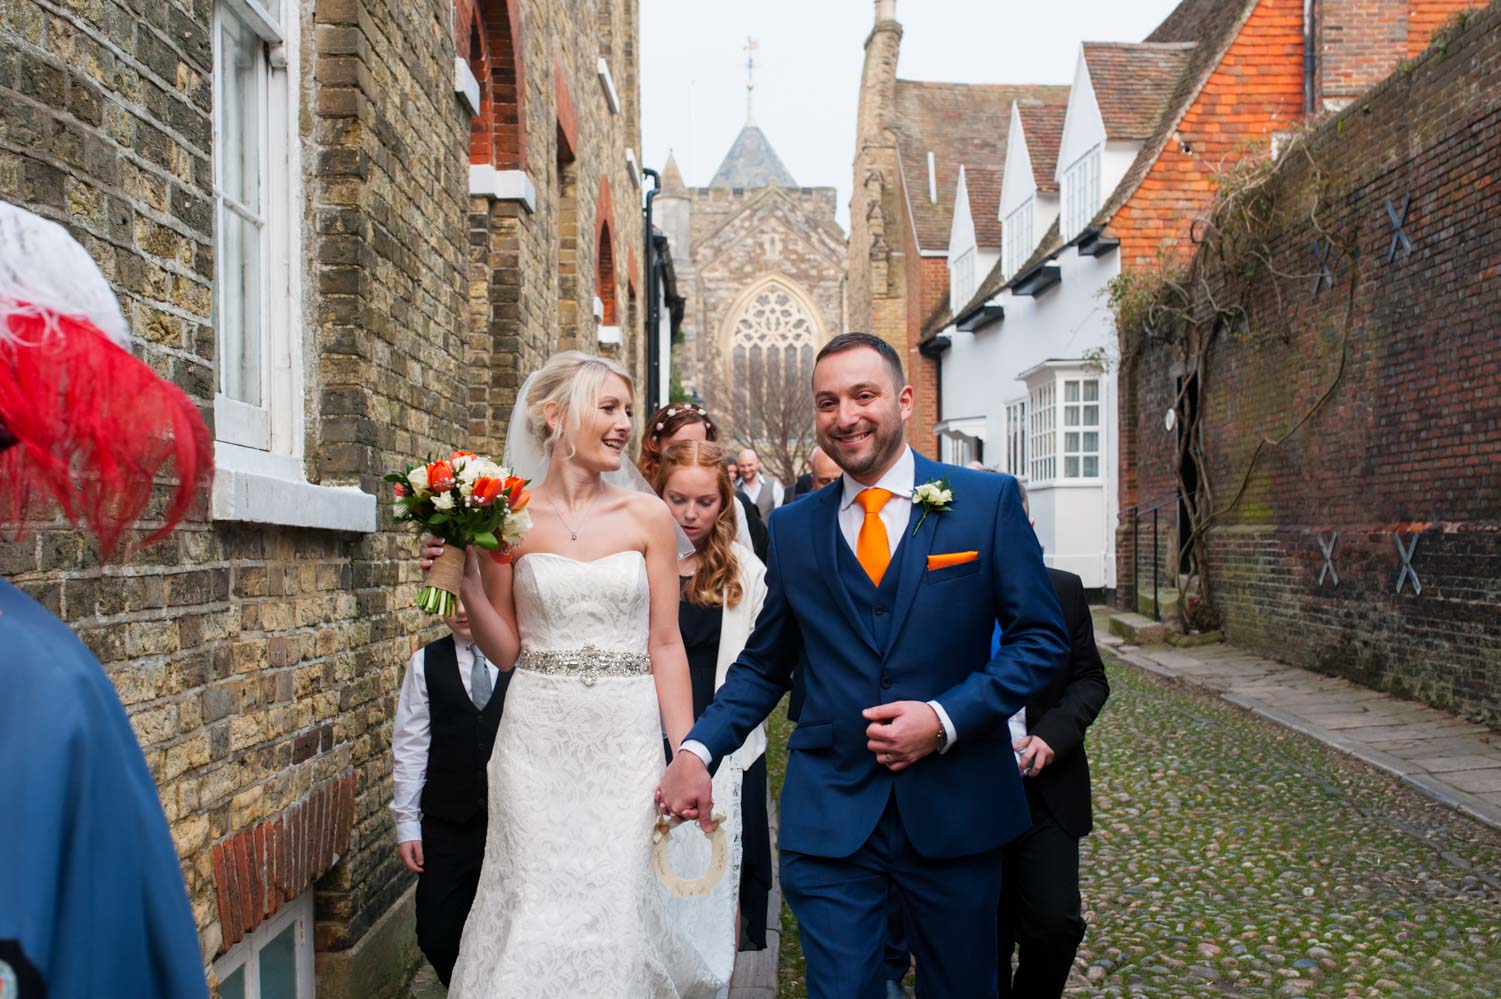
{"x":1041,"y":912}
{"x":882,"y":590}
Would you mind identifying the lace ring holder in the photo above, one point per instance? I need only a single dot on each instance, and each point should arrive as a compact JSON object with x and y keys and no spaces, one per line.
{"x":677,"y":885}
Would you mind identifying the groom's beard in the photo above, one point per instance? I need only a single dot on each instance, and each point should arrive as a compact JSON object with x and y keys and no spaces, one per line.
{"x":886,"y":442}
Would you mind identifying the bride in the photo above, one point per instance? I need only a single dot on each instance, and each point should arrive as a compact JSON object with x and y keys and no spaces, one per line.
{"x":587,"y":610}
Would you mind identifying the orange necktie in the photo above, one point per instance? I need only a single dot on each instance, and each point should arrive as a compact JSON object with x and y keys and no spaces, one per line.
{"x":872,"y":547}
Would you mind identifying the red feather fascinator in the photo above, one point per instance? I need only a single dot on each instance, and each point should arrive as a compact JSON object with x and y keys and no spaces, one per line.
{"x":95,"y":428}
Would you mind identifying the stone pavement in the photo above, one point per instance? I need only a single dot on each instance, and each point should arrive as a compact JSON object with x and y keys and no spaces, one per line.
{"x":1232,"y":856}
{"x":1453,"y":760}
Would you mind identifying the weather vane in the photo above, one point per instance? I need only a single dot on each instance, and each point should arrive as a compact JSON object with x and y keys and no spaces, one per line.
{"x":750,"y":68}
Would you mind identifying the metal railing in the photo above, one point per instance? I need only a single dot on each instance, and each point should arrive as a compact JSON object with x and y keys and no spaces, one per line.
{"x":1136,"y":513}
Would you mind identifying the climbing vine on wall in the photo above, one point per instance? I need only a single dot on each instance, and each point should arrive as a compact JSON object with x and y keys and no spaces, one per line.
{"x":1234,"y":286}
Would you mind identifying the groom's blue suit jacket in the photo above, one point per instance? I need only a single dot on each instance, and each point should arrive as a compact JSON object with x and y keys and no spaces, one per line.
{"x":924,"y":635}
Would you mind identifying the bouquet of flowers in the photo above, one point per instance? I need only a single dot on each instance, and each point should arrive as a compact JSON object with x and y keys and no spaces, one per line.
{"x":465,"y":500}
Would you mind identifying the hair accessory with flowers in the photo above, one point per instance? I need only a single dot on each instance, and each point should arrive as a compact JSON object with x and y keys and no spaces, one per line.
{"x":934,"y":496}
{"x":465,"y":500}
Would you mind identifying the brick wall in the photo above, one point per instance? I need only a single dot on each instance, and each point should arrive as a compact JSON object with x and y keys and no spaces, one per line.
{"x":1360,"y":41}
{"x":1407,"y":443}
{"x":259,"y":664}
{"x":1256,"y":89}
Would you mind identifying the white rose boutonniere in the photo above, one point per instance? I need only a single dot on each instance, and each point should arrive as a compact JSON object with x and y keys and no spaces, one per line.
{"x":933,"y":496}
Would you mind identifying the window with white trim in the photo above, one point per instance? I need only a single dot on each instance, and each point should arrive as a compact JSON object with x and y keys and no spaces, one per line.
{"x":1081,"y":193}
{"x":1081,"y":428}
{"x":276,"y":960}
{"x":1043,"y":436}
{"x":1016,"y":438}
{"x":962,"y":279}
{"x":1017,"y":237}
{"x":255,"y":142}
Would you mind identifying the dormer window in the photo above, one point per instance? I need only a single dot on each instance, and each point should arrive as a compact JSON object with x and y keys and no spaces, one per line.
{"x":962,"y":280}
{"x":1017,"y":238}
{"x":1081,"y":193}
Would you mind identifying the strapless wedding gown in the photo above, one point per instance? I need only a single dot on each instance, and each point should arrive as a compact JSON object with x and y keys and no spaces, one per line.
{"x":568,"y":906}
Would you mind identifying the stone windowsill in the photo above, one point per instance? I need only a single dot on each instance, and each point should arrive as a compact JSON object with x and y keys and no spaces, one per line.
{"x":261,"y":488}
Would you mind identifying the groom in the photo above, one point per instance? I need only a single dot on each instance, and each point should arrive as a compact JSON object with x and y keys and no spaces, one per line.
{"x":901,"y":779}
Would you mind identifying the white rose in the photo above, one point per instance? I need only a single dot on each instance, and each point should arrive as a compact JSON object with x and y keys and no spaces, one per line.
{"x":477,"y":469}
{"x":945,"y":497}
{"x":443,"y":501}
{"x":514,"y":526}
{"x":418,"y":478}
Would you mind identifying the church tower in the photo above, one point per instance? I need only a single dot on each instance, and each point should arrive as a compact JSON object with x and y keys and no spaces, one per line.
{"x":876,"y":276}
{"x":760,"y":262}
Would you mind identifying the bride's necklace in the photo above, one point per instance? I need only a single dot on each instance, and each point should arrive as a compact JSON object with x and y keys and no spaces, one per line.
{"x":573,"y":534}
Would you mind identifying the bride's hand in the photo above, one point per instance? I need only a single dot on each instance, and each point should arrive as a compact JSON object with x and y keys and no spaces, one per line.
{"x":472,"y":587}
{"x":432,"y":547}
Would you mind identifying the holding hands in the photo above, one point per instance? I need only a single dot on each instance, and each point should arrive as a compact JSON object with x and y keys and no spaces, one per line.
{"x":687,"y":791}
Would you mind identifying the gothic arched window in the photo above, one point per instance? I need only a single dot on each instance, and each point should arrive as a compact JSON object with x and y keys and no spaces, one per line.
{"x":771,"y":339}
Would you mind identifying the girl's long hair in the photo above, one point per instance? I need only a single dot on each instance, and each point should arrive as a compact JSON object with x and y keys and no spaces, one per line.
{"x":716,"y":583}
{"x":663,"y":424}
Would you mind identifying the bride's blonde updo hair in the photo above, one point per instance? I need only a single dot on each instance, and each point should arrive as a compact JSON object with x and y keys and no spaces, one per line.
{"x":571,"y":381}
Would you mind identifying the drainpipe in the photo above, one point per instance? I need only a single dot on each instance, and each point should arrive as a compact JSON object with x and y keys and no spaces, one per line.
{"x":1310,"y":59}
{"x":653,"y":348}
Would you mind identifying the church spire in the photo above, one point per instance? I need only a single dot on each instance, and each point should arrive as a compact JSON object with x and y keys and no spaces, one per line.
{"x":672,"y":177}
{"x":750,"y":78}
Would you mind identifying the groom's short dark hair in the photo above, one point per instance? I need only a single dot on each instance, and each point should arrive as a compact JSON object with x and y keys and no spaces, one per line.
{"x":850,"y":341}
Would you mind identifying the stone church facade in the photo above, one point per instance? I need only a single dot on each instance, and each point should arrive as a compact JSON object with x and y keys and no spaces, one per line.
{"x":761,"y":264}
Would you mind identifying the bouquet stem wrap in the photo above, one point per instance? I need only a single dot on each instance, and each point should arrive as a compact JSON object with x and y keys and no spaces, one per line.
{"x":440,"y":594}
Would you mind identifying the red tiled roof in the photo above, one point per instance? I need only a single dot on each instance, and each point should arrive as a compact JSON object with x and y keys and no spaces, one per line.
{"x":1189,"y":21}
{"x":984,"y":184}
{"x":1133,"y":83}
{"x":1043,"y":125}
{"x":1217,"y":22}
{"x":959,"y":123}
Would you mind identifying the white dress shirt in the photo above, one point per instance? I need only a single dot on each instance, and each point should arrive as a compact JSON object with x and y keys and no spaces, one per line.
{"x":412,"y":735}
{"x":900,"y":480}
{"x":753,"y":493}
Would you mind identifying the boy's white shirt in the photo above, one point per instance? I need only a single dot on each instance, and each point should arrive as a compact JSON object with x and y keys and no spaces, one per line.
{"x":411,"y":736}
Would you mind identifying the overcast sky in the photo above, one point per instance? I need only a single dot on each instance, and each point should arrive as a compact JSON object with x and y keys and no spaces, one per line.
{"x":808,"y":67}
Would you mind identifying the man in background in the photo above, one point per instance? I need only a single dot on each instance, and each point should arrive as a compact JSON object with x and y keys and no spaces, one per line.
{"x":766,"y":494}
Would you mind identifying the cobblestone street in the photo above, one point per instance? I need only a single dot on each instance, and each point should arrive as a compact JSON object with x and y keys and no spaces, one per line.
{"x":1233,"y":857}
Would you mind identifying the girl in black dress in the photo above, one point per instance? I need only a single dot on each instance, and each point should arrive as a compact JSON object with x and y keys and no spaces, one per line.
{"x":723,"y":587}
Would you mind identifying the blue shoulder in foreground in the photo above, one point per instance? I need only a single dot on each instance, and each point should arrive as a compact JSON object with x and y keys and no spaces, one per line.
{"x":91,"y":893}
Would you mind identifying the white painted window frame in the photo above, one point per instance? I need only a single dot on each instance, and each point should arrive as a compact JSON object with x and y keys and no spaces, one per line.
{"x":1042,"y":432}
{"x":258,"y":451}
{"x":962,"y":279}
{"x":1016,"y":438}
{"x":1017,"y":236}
{"x":299,"y":914}
{"x":236,"y":421}
{"x":1081,"y":191}
{"x":1076,"y":409}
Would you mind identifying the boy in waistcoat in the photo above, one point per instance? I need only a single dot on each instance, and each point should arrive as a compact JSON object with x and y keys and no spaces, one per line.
{"x":446,"y":718}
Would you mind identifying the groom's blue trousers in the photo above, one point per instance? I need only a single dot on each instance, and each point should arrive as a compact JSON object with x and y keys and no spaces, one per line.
{"x":948,"y":906}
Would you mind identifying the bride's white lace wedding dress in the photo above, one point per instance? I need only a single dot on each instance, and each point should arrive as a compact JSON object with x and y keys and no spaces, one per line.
{"x":568,"y":905}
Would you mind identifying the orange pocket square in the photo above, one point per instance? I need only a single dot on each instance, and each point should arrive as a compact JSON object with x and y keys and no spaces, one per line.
{"x":952,"y":558}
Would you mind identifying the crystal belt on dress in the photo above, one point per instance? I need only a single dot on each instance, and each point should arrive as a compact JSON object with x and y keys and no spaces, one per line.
{"x":588,"y":663}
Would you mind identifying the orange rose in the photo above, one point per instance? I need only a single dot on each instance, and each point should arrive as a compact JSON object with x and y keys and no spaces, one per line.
{"x":401,"y":490}
{"x":466,"y":455}
{"x":440,"y":476}
{"x":485,"y":490}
